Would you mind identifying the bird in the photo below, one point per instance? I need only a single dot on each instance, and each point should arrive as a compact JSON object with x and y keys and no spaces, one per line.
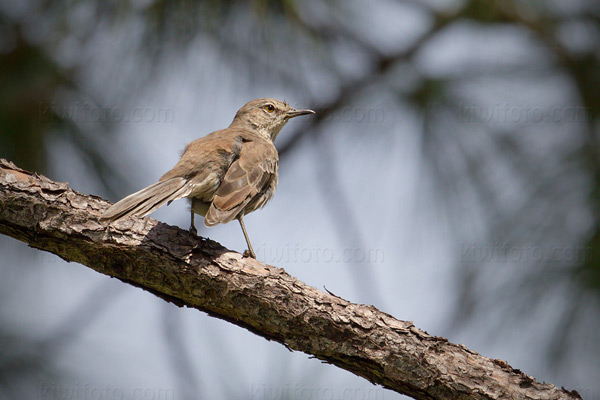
{"x":226,"y":174}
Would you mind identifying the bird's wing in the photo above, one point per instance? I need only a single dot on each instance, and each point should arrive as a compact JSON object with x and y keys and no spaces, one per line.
{"x":246,"y":178}
{"x":204,"y":161}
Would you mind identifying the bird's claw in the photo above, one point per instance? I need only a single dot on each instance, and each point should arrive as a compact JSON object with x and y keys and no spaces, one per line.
{"x":249,"y":254}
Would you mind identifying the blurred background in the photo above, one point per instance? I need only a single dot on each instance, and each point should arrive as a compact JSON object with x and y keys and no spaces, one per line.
{"x":450,"y":178}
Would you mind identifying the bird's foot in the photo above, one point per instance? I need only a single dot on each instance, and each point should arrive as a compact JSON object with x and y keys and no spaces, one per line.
{"x":249,"y":253}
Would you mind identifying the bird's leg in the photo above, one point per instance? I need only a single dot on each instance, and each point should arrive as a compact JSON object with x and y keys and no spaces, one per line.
{"x":192,"y":226}
{"x":193,"y":229}
{"x":250,"y":251}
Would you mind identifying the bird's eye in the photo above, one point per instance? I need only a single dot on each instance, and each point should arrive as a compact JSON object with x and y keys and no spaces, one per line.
{"x":270,"y":108}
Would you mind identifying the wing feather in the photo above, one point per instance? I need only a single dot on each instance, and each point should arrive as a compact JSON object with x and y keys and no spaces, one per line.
{"x":246,"y":178}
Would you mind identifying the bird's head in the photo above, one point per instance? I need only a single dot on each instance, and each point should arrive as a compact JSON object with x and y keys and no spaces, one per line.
{"x":266,"y":116}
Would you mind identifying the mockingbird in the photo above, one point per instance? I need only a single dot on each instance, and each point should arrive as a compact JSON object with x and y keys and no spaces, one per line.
{"x":226,"y":174}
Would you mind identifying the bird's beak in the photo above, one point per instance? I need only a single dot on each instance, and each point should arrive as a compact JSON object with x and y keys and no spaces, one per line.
{"x":296,"y":113}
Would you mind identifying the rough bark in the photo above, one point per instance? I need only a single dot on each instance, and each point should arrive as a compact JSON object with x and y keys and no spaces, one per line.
{"x":180,"y":268}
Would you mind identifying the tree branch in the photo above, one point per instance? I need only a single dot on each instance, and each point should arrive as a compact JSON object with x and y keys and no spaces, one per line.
{"x":200,"y":273}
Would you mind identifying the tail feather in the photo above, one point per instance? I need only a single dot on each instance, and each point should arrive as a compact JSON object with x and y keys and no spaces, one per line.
{"x":149,"y":199}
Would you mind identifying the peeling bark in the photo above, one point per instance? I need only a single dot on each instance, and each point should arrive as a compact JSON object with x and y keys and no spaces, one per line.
{"x":200,"y":273}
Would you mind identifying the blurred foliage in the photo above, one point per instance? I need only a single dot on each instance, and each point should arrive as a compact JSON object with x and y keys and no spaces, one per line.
{"x":29,"y":78}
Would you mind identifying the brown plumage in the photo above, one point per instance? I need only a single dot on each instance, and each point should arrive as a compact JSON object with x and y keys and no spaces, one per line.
{"x":226,"y":174}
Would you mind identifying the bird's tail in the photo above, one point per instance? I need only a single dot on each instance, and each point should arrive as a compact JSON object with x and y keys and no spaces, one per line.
{"x":148,"y":199}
